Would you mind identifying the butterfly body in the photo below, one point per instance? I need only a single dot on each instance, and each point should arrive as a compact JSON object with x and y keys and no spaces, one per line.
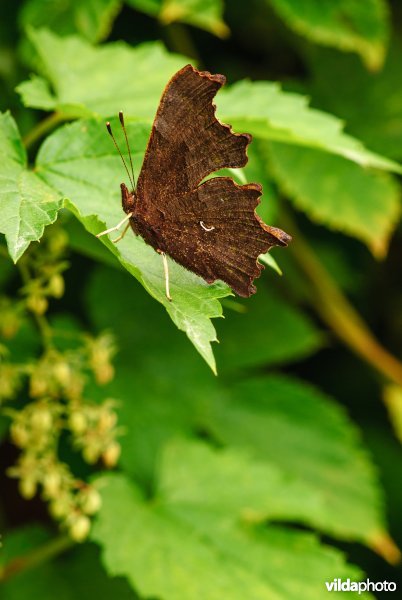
{"x":209,"y":227}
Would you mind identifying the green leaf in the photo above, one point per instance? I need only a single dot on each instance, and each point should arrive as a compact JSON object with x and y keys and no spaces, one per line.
{"x":370,"y":103}
{"x":165,"y":392}
{"x":308,"y":437}
{"x":337,"y":193}
{"x":36,"y":93}
{"x":90,"y":81}
{"x":171,"y":387}
{"x":27,"y":204}
{"x":232,"y":484}
{"x":206,"y":14}
{"x":350,"y":25}
{"x":75,"y":575}
{"x":269,"y":261}
{"x":80,"y":161}
{"x":266,"y":331}
{"x":93,"y":81}
{"x":184,"y":550}
{"x":93,"y":19}
{"x":269,"y":113}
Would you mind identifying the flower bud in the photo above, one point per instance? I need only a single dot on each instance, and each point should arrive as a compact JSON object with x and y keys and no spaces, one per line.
{"x":51,"y":483}
{"x":62,"y":372}
{"x":90,"y":454}
{"x":90,"y":501}
{"x":37,"y":304}
{"x":111,"y":455}
{"x":79,"y":529}
{"x":60,"y":508}
{"x":27,"y":487}
{"x":77,"y":422}
{"x":107,"y":420}
{"x":56,"y":286}
{"x":41,"y":419}
{"x":20,"y":434}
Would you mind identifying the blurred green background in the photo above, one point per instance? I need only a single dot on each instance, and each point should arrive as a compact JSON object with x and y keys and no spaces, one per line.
{"x":283,"y":471}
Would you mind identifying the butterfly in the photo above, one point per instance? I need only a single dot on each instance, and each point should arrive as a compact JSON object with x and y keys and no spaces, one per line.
{"x":209,"y":227}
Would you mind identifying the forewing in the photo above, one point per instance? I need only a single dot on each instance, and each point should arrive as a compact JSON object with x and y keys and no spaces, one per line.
{"x":217,"y":234}
{"x":187,"y":142}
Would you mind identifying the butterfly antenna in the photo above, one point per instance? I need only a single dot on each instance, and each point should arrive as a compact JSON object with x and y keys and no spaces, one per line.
{"x":109,"y":128}
{"x":128,"y":145}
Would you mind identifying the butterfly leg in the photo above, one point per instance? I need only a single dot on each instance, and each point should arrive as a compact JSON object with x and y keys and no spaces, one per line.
{"x":116,"y":227}
{"x":166,"y":270}
{"x":123,"y":233}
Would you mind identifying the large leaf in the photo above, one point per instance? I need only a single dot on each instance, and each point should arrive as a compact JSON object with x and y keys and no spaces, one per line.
{"x":268,"y":112}
{"x":89,"y":81}
{"x":91,"y":18}
{"x":350,"y":25}
{"x":309,"y":437}
{"x":164,"y":391}
{"x":100,"y":81}
{"x":164,"y":388}
{"x":27,"y":204}
{"x":206,"y":14}
{"x":339,"y":194}
{"x":80,"y":161}
{"x":185,"y":550}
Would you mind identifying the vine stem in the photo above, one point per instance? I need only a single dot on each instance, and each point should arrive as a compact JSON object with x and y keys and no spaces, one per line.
{"x":337,"y":312}
{"x":41,"y":322}
{"x":38,"y":556}
{"x":42,"y":128}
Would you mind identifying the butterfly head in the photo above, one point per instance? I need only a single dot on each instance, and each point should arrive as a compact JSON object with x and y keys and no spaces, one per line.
{"x":128,"y":199}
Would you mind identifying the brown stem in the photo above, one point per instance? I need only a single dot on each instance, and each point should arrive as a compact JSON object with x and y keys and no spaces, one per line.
{"x":336,"y":310}
{"x":36,"y":557}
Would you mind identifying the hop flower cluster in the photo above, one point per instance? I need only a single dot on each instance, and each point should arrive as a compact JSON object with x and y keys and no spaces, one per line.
{"x":51,"y":390}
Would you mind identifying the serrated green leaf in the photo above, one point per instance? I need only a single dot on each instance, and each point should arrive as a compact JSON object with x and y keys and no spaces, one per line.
{"x":232,"y":484}
{"x":90,"y":81}
{"x":350,"y":25}
{"x":171,"y":387}
{"x":93,"y":19}
{"x":206,"y":14}
{"x":93,"y":81}
{"x":80,"y":161}
{"x":178,"y":552}
{"x":164,"y":391}
{"x":307,"y":436}
{"x":27,"y":204}
{"x":337,"y":193}
{"x":75,"y":575}
{"x":269,"y":113}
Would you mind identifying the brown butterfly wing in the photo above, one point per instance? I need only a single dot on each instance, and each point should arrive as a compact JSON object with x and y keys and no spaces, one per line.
{"x":187,"y":142}
{"x":211,"y":229}
{"x":218,"y":235}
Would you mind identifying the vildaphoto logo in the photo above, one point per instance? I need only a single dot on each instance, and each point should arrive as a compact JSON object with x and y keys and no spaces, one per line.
{"x":339,"y":585}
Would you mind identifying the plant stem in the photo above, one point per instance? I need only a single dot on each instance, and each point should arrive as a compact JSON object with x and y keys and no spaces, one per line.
{"x":42,"y":128}
{"x":42,"y":324}
{"x":36,"y":557}
{"x":337,"y":312}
